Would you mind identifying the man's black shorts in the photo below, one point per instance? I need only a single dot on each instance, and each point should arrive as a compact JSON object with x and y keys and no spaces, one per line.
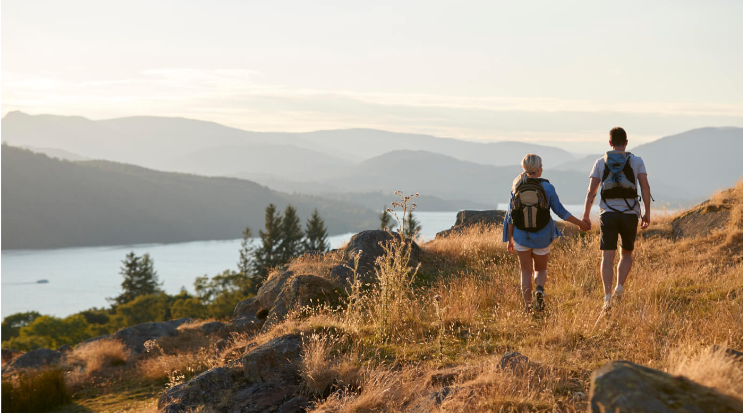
{"x":614,"y":224}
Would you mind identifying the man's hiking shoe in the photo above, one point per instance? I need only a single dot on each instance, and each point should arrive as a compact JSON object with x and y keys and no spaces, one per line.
{"x":618,"y":295}
{"x":539,"y":302}
{"x":607,"y":305}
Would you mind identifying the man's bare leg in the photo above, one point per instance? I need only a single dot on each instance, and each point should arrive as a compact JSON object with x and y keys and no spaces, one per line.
{"x":607,"y":274}
{"x":623,"y":269}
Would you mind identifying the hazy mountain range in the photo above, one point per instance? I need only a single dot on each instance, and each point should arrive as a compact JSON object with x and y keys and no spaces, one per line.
{"x":50,"y":203}
{"x":356,"y":166}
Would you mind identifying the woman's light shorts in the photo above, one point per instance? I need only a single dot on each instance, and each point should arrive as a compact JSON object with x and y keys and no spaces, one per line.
{"x":535,"y":251}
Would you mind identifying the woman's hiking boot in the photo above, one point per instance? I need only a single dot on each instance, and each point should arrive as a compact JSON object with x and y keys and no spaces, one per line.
{"x":539,"y":295}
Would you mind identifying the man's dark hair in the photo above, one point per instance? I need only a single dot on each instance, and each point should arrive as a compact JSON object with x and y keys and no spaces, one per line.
{"x":618,"y":136}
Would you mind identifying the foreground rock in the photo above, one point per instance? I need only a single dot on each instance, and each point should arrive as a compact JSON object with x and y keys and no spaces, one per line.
{"x":621,"y":386}
{"x":284,"y":290}
{"x":466,"y":219}
{"x":369,"y":245}
{"x":33,"y":359}
{"x":264,"y":379}
{"x":303,"y":291}
{"x":135,"y":337}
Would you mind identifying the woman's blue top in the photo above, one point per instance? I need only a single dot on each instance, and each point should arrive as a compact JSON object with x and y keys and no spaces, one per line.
{"x":544,"y":237}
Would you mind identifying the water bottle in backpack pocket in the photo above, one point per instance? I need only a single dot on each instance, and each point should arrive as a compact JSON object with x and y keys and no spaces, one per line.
{"x":530,"y":208}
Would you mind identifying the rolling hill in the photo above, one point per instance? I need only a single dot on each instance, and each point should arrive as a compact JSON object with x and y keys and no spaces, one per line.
{"x":50,"y":203}
{"x":690,"y":165}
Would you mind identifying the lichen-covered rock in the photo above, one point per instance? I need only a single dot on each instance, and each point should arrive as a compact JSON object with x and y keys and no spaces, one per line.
{"x":623,"y":387}
{"x":301,"y":291}
{"x":274,"y":361}
{"x":369,"y":245}
{"x":33,"y":359}
{"x":203,"y":389}
{"x":470,"y":218}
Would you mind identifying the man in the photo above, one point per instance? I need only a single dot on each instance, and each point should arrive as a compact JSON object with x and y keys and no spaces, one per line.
{"x":617,"y":174}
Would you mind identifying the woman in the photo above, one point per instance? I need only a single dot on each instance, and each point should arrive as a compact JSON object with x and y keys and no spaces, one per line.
{"x":532,"y":244}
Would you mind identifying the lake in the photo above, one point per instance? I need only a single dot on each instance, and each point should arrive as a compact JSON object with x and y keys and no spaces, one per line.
{"x":81,"y":278}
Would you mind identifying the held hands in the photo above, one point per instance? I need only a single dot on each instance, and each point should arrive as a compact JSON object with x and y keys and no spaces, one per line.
{"x":586,"y":224}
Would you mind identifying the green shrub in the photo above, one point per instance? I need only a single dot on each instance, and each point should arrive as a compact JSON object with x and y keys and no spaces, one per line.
{"x":34,"y":392}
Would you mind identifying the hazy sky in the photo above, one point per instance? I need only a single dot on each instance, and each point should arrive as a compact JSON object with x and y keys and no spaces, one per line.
{"x":561,"y":71}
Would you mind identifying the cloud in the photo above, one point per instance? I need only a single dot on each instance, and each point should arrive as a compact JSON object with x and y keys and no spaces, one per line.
{"x":240,"y":98}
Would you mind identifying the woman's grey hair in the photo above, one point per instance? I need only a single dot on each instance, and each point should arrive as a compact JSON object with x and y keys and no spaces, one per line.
{"x":530,"y":164}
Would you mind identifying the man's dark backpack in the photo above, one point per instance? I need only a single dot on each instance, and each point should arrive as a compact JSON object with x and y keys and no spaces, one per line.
{"x":530,"y":209}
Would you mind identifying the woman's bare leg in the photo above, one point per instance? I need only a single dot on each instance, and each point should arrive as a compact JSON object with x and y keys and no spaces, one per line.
{"x":540,"y":266}
{"x":527,"y":270}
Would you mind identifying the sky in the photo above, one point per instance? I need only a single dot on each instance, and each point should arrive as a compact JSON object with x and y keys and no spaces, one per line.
{"x":559,"y":73}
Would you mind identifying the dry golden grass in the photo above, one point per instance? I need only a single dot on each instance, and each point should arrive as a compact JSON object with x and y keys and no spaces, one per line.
{"x":99,"y":358}
{"x":323,"y":366}
{"x":176,"y":367}
{"x":712,"y":368}
{"x":686,"y":293}
{"x":316,"y":264}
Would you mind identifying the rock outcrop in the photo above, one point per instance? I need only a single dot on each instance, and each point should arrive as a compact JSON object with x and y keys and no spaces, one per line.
{"x":135,"y":337}
{"x":369,"y":245}
{"x":621,"y":386}
{"x":264,"y":379}
{"x":33,"y":359}
{"x":302,"y":291}
{"x":467,"y":219}
{"x":284,"y":290}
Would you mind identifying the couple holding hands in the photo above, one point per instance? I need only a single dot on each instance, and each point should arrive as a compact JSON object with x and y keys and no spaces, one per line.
{"x":529,"y":228}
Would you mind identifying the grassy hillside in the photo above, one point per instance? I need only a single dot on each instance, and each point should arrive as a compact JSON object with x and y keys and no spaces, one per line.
{"x":49,"y":203}
{"x":443,"y":339}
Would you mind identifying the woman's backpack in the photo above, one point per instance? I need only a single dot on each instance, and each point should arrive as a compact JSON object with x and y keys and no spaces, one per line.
{"x":530,"y":208}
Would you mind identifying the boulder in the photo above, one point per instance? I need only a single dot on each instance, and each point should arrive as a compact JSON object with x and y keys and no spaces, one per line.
{"x":621,"y":386}
{"x":274,"y":361}
{"x":369,"y":245}
{"x":264,"y":379}
{"x":301,"y":291}
{"x":211,"y":328}
{"x":33,"y":359}
{"x":248,"y":314}
{"x":514,"y":361}
{"x":203,"y":389}
{"x":467,"y":219}
{"x":135,"y":337}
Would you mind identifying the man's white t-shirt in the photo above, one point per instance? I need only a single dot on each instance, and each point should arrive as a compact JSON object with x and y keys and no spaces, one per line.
{"x":638,"y":167}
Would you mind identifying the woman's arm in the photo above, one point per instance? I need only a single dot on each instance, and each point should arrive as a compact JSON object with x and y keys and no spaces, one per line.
{"x":584,"y":226}
{"x":511,"y":247}
{"x":563,"y":213}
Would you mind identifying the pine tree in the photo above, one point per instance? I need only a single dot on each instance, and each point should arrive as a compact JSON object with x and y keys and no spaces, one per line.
{"x":412,"y":226}
{"x":316,"y":238}
{"x":291,"y":235}
{"x":247,"y":250}
{"x":267,"y":255}
{"x":385,"y":220}
{"x":140,"y":278}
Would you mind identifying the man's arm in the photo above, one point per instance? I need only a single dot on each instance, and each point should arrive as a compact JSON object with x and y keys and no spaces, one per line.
{"x":593,"y":188}
{"x":646,"y":197}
